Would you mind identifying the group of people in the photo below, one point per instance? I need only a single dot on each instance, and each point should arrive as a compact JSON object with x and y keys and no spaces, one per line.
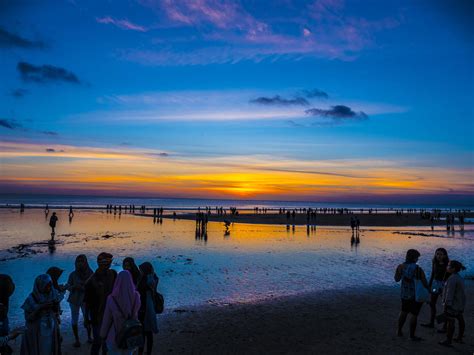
{"x":119,"y":309}
{"x":444,"y":282}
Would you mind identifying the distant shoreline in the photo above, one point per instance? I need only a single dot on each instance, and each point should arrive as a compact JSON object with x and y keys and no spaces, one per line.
{"x":366,"y":219}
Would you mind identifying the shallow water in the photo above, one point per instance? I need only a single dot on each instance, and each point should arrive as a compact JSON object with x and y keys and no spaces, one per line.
{"x":253,"y":262}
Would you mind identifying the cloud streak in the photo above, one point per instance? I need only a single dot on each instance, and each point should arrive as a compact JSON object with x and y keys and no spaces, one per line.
{"x":45,"y":74}
{"x":277,"y":100}
{"x":12,"y":40}
{"x":124,"y":24}
{"x":315,"y":93}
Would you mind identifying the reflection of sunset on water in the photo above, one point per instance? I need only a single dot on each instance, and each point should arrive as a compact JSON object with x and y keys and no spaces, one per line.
{"x":261,"y":261}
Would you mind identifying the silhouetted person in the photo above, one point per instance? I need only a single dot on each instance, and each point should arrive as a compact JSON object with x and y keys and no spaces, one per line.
{"x":97,"y":289}
{"x":52,"y":223}
{"x":454,"y":301}
{"x":407,"y":273}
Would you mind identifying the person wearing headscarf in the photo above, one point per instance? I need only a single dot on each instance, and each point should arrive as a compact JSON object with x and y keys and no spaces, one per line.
{"x":147,"y":315}
{"x":122,"y":302}
{"x":76,"y":286}
{"x":129,"y":265}
{"x":42,"y":327}
{"x":97,"y":289}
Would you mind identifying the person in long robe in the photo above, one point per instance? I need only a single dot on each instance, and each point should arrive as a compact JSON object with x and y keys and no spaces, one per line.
{"x":76,"y":286}
{"x":97,"y":289}
{"x":147,"y":314}
{"x":41,"y":336}
{"x":124,"y":301}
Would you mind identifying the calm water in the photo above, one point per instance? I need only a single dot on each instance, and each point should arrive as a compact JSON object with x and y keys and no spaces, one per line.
{"x":182,"y":203}
{"x":253,"y":262}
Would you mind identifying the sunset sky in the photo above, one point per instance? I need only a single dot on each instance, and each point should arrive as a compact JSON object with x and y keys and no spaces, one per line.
{"x":322,"y":100}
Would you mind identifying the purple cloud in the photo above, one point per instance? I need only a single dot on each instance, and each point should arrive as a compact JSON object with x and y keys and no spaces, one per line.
{"x":123,"y":24}
{"x":227,"y":32}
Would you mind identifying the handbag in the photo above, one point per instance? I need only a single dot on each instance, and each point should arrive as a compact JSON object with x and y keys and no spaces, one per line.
{"x":158,"y":302}
{"x":421,"y":292}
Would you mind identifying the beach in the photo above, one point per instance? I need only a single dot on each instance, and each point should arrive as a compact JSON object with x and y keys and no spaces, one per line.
{"x":355,"y":321}
{"x":253,"y":288}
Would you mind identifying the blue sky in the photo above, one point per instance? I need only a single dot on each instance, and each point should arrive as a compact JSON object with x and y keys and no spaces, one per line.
{"x":360,"y":85}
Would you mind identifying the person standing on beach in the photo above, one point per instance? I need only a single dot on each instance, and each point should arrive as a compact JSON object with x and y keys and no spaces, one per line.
{"x":147,"y":314}
{"x":7,"y":287}
{"x":454,"y":301}
{"x":52,"y":223}
{"x":129,"y":265}
{"x":438,"y":277}
{"x":122,"y":305}
{"x":42,"y":326}
{"x":407,"y":273}
{"x":97,"y":289}
{"x":76,"y":287}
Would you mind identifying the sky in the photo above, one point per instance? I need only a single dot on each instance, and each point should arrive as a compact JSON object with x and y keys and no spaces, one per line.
{"x":321,"y":100}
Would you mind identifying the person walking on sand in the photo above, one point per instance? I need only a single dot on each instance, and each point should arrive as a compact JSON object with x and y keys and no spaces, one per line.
{"x":438,"y":277}
{"x":52,"y":223}
{"x":97,"y":289}
{"x":122,"y":305}
{"x":42,"y":327}
{"x":407,"y":273}
{"x":129,"y":265}
{"x":76,"y":287}
{"x":147,"y":313}
{"x":454,"y":301}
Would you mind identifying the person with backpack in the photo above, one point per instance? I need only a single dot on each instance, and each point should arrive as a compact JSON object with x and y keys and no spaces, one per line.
{"x":408,"y":272}
{"x":148,"y":297}
{"x":454,"y":301}
{"x":41,"y":336}
{"x":76,"y":286}
{"x":120,"y":326}
{"x":97,"y":289}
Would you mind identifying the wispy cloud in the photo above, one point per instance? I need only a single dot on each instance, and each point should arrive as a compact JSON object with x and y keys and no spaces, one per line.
{"x":14,"y":125}
{"x":12,"y":40}
{"x":150,"y":171}
{"x":45,"y":73}
{"x":124,"y":24}
{"x":9,"y":124}
{"x":228,"y":32}
{"x":312,"y":93}
{"x":18,"y":93}
{"x":277,"y":100}
{"x":229,"y":105}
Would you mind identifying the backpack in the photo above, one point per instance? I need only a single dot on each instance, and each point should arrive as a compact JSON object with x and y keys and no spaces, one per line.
{"x":130,"y":334}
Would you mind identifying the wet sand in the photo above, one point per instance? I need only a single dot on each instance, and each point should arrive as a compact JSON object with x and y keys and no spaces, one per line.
{"x":366,"y":220}
{"x":351,"y":321}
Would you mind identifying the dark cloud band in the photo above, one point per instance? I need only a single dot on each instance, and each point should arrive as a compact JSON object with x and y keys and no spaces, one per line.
{"x":277,"y":100}
{"x":11,"y":40}
{"x":338,"y":112}
{"x":46,"y":73}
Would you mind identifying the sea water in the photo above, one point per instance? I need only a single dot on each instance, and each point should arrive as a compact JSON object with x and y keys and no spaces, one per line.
{"x":248,"y":263}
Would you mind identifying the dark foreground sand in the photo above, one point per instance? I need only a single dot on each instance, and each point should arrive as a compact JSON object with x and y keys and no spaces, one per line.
{"x":379,"y":219}
{"x":349,"y":322}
